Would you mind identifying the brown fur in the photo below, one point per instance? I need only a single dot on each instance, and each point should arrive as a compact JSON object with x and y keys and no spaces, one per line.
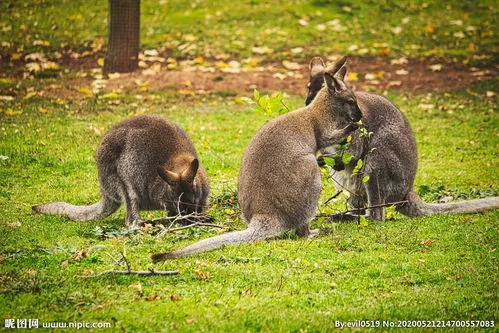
{"x":147,"y":162}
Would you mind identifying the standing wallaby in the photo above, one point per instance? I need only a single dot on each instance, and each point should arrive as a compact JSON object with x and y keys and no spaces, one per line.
{"x":390,"y":160}
{"x":280,"y":181}
{"x":149,"y":163}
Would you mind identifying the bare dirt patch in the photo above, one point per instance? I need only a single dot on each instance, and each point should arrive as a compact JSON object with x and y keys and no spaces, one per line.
{"x":365,"y":73}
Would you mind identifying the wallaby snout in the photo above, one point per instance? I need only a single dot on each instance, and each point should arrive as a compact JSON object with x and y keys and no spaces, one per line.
{"x":356,"y":115}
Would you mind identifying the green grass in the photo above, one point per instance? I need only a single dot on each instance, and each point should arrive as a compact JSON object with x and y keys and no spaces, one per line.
{"x":433,"y":268}
{"x":213,"y":28}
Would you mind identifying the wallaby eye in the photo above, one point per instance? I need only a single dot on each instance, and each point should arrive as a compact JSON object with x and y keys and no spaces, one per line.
{"x":351,"y":101}
{"x":308,"y":85}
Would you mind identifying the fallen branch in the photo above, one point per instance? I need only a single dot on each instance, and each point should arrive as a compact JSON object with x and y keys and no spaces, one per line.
{"x":356,"y":210}
{"x":195,"y":224}
{"x":130,"y":272}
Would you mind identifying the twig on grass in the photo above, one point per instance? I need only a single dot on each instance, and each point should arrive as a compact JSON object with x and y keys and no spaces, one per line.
{"x":356,"y":210}
{"x":130,"y":272}
{"x":195,"y":224}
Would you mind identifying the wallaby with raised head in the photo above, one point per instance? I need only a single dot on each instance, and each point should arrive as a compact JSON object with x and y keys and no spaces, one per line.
{"x":390,"y":160}
{"x":147,"y":162}
{"x":280,"y":181}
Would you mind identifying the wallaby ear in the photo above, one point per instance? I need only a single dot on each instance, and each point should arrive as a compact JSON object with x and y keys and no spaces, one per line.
{"x":168,"y":176}
{"x":334,"y":76}
{"x":188,"y":174}
{"x":331,"y":82}
{"x":316,"y":65}
{"x":341,"y":73}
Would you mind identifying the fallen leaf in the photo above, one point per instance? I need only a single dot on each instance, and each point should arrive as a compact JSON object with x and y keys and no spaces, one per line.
{"x":292,"y":66}
{"x":430,"y":28}
{"x":174,"y":298}
{"x":426,"y":106}
{"x":87,"y":271}
{"x":80,"y":255}
{"x":12,"y":112}
{"x":33,"y":67}
{"x":320,"y":27}
{"x":15,"y":224}
{"x":353,"y":76}
{"x":436,"y":67}
{"x":303,"y":22}
{"x":399,"y":61}
{"x":426,"y":242}
{"x":396,"y":30}
{"x":153,"y":297}
{"x":137,"y":286}
{"x":6,"y":98}
{"x":85,"y":90}
{"x":202,"y":275}
{"x":401,"y":72}
{"x":262,"y":50}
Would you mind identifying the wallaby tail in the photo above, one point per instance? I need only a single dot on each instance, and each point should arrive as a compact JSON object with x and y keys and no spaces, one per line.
{"x":417,"y":207}
{"x":253,"y":233}
{"x":101,"y":209}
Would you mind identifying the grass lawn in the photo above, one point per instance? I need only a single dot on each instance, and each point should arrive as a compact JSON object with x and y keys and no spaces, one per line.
{"x":431,"y":268}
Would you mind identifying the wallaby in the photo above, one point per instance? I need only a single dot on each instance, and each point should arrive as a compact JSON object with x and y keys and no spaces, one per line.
{"x":280,"y":181}
{"x":390,"y":160}
{"x":149,"y":163}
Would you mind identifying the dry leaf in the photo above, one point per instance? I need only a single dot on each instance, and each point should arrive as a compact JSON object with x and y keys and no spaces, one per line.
{"x":292,"y":66}
{"x":426,"y":242}
{"x":262,"y":50}
{"x":426,"y":106}
{"x":396,"y":30}
{"x":430,"y":28}
{"x":401,"y":72}
{"x":153,"y":298}
{"x":174,"y":298}
{"x":436,"y":67}
{"x":80,"y":255}
{"x":202,"y":275}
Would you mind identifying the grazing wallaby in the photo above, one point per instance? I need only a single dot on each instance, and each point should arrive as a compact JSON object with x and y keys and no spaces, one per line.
{"x":148,"y":162}
{"x":280,"y":181}
{"x":390,"y":160}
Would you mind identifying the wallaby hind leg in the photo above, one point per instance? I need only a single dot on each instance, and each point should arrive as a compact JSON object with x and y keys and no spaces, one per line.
{"x":132,"y":202}
{"x":376,"y":196}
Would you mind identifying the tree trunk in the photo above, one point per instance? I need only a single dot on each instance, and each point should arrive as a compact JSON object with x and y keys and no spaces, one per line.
{"x":124,"y":36}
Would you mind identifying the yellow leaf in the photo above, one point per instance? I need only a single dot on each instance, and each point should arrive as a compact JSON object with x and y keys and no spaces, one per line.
{"x":199,"y":60}
{"x":100,"y":62}
{"x":43,"y":110}
{"x":85,"y":90}
{"x":110,"y":95}
{"x":15,"y":56}
{"x":11,"y":112}
{"x":353,"y":76}
{"x":430,"y":28}
{"x":50,"y":65}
